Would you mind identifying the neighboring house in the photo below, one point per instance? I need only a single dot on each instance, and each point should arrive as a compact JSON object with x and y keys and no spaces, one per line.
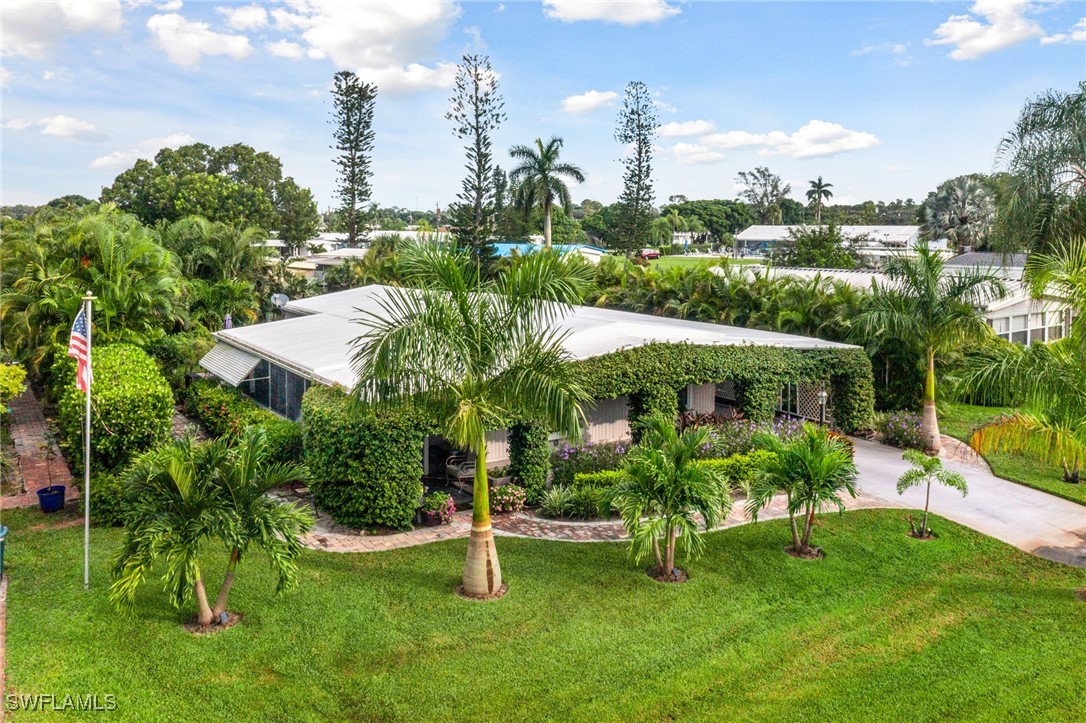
{"x":873,"y":243}
{"x":1017,"y":317}
{"x":275,"y":362}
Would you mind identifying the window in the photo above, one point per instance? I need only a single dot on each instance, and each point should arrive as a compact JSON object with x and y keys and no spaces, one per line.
{"x":1001,"y":325}
{"x":1036,"y":336}
{"x":1020,"y":337}
{"x":1020,"y":322}
{"x":1055,"y":333}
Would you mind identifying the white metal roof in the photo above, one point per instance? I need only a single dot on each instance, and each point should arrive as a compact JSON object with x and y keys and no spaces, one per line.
{"x":229,"y":363}
{"x":317,"y":342}
{"x":888,"y":235}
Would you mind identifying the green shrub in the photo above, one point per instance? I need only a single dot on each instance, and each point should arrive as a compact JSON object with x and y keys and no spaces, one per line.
{"x":12,"y":377}
{"x":108,"y":502}
{"x":530,"y":458}
{"x":602,"y":479}
{"x":365,"y":465}
{"x":740,"y":469}
{"x":132,"y":408}
{"x":901,"y":429}
{"x":556,"y":502}
{"x":568,"y":460}
{"x":178,"y":355}
{"x":224,"y":410}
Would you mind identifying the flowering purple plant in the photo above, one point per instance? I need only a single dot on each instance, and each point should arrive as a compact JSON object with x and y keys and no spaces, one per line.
{"x":901,"y":429}
{"x":735,"y":436}
{"x":507,"y":498}
{"x":567,"y":460}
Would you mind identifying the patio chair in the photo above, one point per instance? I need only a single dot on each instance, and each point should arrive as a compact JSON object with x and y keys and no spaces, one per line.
{"x":460,"y":472}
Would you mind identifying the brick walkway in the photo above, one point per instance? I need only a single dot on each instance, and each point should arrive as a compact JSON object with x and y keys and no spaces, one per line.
{"x":330,"y":537}
{"x":28,"y":432}
{"x":958,"y":451}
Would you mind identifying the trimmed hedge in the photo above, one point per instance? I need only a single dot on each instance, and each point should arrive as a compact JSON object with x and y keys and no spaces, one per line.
{"x":652,"y":375}
{"x":108,"y":500}
{"x":567,"y":461}
{"x":226,"y":411}
{"x":604,"y":478}
{"x":179,"y":354}
{"x":131,"y":407}
{"x":365,"y":466}
{"x":740,"y":469}
{"x":530,"y":458}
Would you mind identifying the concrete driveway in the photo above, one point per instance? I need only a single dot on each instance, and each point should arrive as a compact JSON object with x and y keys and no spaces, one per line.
{"x":1031,"y":520}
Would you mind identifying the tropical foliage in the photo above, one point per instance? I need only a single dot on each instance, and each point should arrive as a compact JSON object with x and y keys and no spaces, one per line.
{"x":186,"y":496}
{"x":666,"y":497}
{"x":812,"y":472}
{"x":539,"y":182}
{"x":477,"y":353}
{"x":926,"y":470}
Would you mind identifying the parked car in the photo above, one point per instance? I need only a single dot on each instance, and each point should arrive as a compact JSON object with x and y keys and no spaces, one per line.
{"x":649,"y":254}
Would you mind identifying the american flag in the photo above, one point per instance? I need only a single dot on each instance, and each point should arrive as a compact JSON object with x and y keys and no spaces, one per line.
{"x":78,"y":348}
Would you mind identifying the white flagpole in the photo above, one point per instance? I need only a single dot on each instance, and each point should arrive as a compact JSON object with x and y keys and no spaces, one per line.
{"x":87,"y":299}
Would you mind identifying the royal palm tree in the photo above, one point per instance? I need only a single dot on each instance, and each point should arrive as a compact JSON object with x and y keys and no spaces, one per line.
{"x":924,"y":471}
{"x":817,"y":195}
{"x":538,"y":180}
{"x":812,"y":471}
{"x":477,"y":353}
{"x":664,"y":489}
{"x":922,"y":301}
{"x":184,"y":496}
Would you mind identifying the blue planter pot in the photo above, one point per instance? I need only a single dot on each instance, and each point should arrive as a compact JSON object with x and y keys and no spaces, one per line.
{"x":51,"y":499}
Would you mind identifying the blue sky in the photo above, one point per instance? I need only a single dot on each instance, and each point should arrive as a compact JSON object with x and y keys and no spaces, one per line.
{"x":884,"y":100}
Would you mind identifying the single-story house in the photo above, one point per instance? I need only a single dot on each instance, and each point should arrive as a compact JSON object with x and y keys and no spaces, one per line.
{"x":274,"y":363}
{"x":1017,"y":317}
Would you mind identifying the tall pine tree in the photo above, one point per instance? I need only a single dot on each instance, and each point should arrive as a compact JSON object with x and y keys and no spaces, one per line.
{"x":636,"y":131}
{"x":476,"y":113}
{"x":352,"y":116}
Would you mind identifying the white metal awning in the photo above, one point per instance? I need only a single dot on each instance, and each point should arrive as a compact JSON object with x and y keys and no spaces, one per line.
{"x":229,"y":363}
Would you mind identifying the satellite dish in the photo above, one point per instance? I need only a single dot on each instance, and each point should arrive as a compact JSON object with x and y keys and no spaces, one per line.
{"x":279,"y":300}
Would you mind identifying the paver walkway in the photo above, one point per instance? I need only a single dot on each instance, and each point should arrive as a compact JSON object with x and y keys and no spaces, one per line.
{"x":39,"y":469}
{"x":1026,"y":518}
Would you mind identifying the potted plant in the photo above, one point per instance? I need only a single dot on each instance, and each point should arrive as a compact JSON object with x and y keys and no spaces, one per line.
{"x":500,"y":476}
{"x":51,"y":498}
{"x":437,"y":509}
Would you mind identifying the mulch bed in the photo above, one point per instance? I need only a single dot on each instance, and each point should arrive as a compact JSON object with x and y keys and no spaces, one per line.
{"x":195,"y":628}
{"x":1081,"y":594}
{"x":660,"y":576}
{"x":815,"y":553}
{"x":929,"y":536}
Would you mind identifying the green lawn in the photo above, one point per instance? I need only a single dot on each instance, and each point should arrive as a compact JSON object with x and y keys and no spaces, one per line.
{"x":885,"y":628}
{"x":959,"y":421}
{"x":692,"y":261}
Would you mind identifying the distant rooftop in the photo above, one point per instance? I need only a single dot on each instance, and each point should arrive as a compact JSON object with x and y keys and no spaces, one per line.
{"x":889,"y":235}
{"x":989,"y":259}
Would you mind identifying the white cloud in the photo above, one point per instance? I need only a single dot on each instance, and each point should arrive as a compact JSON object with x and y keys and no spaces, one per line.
{"x":688,"y":128}
{"x":816,"y":138}
{"x":590,"y":101}
{"x":246,"y":17}
{"x":185,"y":42}
{"x":627,"y":12}
{"x":286,"y":49}
{"x":63,"y":126}
{"x":386,"y":43}
{"x":17,"y":124}
{"x":991,"y":25}
{"x":1076,"y":35}
{"x":478,"y":45}
{"x":6,"y":76}
{"x":696,"y":154}
{"x":31,"y":29}
{"x":864,"y":50}
{"x":146,"y":149}
{"x":664,"y":106}
{"x":500,"y":8}
{"x":734,"y":139}
{"x":170,"y":6}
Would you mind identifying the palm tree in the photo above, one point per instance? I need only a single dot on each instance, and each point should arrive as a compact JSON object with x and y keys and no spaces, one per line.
{"x":1048,"y":381}
{"x":538,"y":179}
{"x":961,"y":212}
{"x":811,"y":471}
{"x":1045,"y":153}
{"x":185,"y":495}
{"x":477,"y":353}
{"x":921,"y":301}
{"x":663,"y":489}
{"x":817,"y":194}
{"x":924,"y":471}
